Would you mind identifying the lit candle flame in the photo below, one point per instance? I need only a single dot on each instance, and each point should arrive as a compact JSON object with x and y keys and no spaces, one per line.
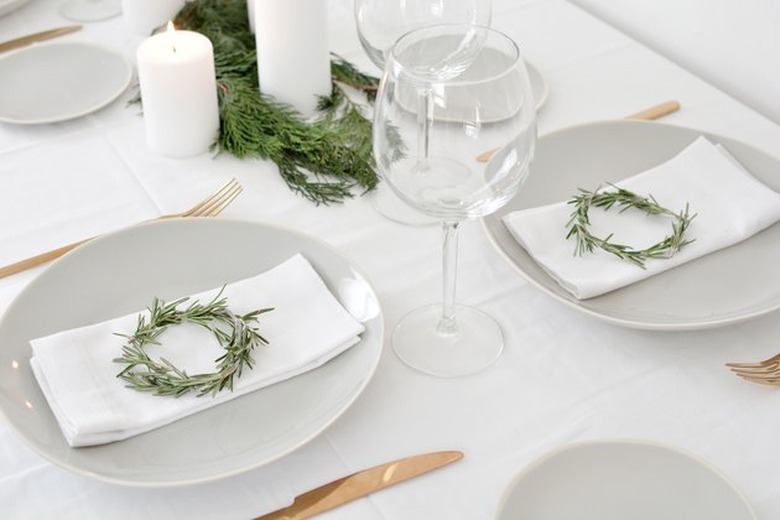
{"x":170,"y":30}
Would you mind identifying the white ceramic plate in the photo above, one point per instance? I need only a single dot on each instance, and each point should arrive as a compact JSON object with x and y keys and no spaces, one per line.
{"x":621,"y":480}
{"x":6,"y":6}
{"x":51,"y":82}
{"x":118,"y":274}
{"x":729,"y":286}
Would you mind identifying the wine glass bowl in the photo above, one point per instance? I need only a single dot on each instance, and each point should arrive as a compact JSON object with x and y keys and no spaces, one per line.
{"x":379,"y":24}
{"x":452,"y":95}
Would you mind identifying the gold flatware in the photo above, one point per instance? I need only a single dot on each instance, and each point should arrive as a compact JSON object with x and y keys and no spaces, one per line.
{"x":655,"y":112}
{"x":765,"y":372}
{"x":211,"y":206}
{"x":361,"y":484}
{"x":648,"y":114}
{"x":38,"y":37}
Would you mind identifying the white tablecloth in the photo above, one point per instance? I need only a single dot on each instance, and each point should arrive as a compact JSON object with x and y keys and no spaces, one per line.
{"x":690,"y":33}
{"x":563,"y":376}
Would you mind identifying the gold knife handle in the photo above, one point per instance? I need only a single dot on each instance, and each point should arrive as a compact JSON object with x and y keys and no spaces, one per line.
{"x":361,"y":484}
{"x":328,"y":496}
{"x":308,"y":504}
{"x":649,"y":114}
{"x":34,"y":261}
{"x":656,"y":112}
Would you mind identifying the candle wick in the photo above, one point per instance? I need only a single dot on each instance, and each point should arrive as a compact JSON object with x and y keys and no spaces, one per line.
{"x":174,"y":48}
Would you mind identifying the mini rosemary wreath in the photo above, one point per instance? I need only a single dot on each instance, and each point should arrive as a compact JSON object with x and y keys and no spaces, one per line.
{"x":579,"y":222}
{"x":234,"y":333}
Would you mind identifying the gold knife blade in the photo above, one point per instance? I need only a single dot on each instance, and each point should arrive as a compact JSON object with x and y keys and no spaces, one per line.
{"x":37,"y":37}
{"x":360,"y":484}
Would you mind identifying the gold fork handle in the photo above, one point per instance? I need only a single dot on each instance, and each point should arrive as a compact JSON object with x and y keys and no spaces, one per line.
{"x":209,"y":207}
{"x":34,"y":261}
{"x":48,"y":256}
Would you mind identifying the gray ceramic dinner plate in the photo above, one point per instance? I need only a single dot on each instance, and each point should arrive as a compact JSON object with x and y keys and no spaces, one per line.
{"x":120,"y":273}
{"x":621,"y":480}
{"x":732,"y":285}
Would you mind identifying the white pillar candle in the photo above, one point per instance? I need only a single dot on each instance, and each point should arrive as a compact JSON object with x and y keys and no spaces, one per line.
{"x":143,"y":16}
{"x":178,"y":92}
{"x":250,"y":6}
{"x":293,"y":59}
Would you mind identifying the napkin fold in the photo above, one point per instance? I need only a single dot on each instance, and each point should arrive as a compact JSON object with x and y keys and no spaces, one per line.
{"x":77,"y":375}
{"x":730,"y":206}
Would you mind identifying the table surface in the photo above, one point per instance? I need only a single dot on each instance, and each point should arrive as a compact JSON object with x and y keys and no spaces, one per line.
{"x":690,"y":33}
{"x":563,"y":377}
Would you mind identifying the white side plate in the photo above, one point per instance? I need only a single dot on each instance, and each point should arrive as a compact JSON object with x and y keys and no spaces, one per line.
{"x":51,"y":82}
{"x":621,"y":480}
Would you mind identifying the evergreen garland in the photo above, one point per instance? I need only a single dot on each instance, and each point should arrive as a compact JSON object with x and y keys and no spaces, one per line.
{"x":325,"y":161}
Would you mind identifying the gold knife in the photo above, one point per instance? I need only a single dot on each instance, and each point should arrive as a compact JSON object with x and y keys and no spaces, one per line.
{"x":37,"y":37}
{"x":648,"y":114}
{"x":361,"y":484}
{"x":656,"y":112}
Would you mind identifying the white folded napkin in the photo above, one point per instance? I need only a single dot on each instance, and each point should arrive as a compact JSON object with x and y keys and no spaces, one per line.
{"x":730,"y":206}
{"x":74,"y":368}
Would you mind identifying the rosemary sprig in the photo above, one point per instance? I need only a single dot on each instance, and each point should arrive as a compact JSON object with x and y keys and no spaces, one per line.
{"x":327,"y":160}
{"x":579,"y":222}
{"x":233,"y":332}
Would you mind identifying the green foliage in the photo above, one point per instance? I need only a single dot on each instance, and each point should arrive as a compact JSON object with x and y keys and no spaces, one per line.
{"x":326,"y":160}
{"x":234,"y":333}
{"x":579,"y":222}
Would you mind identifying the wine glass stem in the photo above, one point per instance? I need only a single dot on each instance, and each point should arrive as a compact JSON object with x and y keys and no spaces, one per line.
{"x":447,"y":324}
{"x":424,"y":119}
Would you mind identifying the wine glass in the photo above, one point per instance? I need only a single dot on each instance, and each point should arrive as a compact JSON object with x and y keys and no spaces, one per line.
{"x":379,"y":24}
{"x":454,"y":135}
{"x":90,"y":10}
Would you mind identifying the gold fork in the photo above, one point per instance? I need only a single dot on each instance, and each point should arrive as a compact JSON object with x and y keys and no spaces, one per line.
{"x":765,"y":372}
{"x":211,"y":206}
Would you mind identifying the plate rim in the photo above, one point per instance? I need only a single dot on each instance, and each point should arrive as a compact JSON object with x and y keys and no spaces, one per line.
{"x":623,"y":441}
{"x":220,"y":475}
{"x":127,"y":78}
{"x":636,"y":322}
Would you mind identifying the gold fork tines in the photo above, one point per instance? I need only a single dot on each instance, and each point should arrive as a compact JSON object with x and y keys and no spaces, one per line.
{"x":765,"y":372}
{"x":221,"y":201}
{"x":211,"y":206}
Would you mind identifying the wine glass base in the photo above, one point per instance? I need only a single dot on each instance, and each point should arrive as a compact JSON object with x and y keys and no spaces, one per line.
{"x":90,"y":11}
{"x":475,"y":345}
{"x":387,"y":204}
